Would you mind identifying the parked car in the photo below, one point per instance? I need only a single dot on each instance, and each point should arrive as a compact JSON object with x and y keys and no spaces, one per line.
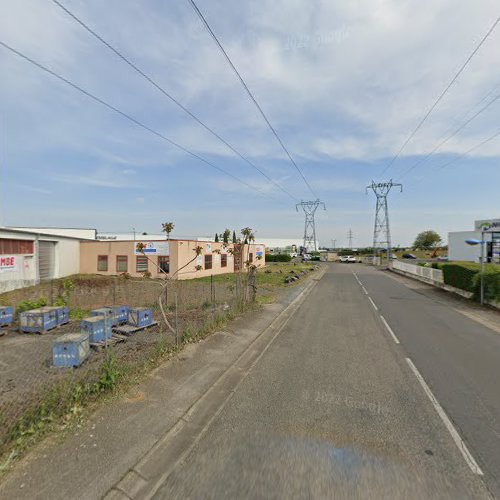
{"x":443,"y":258}
{"x":306,"y":257}
{"x":409,"y":256}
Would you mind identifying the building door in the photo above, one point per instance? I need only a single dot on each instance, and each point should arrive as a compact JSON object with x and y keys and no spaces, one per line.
{"x":46,"y":259}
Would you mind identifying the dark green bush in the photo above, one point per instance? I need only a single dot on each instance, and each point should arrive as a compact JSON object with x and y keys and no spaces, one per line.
{"x":460,"y":275}
{"x":491,"y":278}
{"x":280,"y":257}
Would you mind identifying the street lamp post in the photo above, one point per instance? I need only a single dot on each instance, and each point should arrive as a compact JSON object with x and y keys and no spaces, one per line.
{"x":481,"y":242}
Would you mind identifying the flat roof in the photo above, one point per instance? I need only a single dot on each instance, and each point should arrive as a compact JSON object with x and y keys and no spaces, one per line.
{"x":41,"y":235}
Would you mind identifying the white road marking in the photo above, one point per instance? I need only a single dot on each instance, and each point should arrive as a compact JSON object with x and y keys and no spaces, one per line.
{"x":447,"y":422}
{"x":364,"y":290}
{"x":389,"y":329}
{"x":373,"y":304}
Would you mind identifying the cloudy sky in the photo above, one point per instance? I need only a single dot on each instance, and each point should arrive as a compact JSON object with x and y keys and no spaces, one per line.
{"x":343,"y":82}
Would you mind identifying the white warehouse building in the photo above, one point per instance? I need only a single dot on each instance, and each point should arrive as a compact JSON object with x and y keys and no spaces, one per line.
{"x":30,"y":256}
{"x":459,"y":250}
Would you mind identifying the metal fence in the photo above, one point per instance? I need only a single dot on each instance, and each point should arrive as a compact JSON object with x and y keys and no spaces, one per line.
{"x":34,"y":393}
{"x":435,"y":275}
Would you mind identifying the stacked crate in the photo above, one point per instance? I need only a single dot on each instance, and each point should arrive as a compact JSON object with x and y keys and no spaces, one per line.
{"x":97,"y":328}
{"x":108,"y":312}
{"x":38,"y":320}
{"x":62,"y":314}
{"x":120,"y":314}
{"x":70,"y":350}
{"x":140,"y":317}
{"x":6,"y":315}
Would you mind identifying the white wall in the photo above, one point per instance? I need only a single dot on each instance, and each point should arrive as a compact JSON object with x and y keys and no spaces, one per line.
{"x":459,"y":250}
{"x":24,"y":275}
{"x":67,"y":260}
{"x":67,"y":257}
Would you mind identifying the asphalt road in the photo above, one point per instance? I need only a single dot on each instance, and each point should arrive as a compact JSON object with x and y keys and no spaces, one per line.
{"x":333,"y":408}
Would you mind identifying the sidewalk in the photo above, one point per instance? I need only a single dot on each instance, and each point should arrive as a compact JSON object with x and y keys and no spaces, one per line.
{"x":88,"y":463}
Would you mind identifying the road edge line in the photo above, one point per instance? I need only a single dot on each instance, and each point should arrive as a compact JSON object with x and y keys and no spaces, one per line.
{"x":469,"y":459}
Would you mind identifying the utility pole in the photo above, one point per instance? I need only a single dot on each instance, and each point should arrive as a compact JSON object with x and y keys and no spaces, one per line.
{"x":334,"y":244}
{"x":309,"y":208}
{"x":350,"y":236}
{"x":382,"y":231}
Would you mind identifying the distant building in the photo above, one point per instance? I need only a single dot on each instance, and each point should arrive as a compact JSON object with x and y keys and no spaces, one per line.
{"x":28,"y":257}
{"x":175,"y":258}
{"x":279,"y":245}
{"x":459,"y":250}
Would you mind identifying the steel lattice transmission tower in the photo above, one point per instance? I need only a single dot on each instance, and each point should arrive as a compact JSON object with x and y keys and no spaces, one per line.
{"x":382,"y":231}
{"x":309,"y":208}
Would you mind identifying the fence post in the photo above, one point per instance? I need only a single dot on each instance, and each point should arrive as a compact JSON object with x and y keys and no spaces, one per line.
{"x":176,"y":319}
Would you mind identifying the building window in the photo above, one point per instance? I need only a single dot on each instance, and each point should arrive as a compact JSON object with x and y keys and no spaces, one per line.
{"x":102,"y":263}
{"x":163,"y":264}
{"x":223,"y":260}
{"x":121,"y":263}
{"x":8,"y":246}
{"x":141,"y":264}
{"x":208,"y":262}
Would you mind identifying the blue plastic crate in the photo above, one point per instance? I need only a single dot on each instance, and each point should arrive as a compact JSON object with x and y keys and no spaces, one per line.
{"x":108,"y":312}
{"x":62,"y":315}
{"x":70,"y":350}
{"x":38,"y":320}
{"x":94,"y":327}
{"x":6,"y":315}
{"x":140,"y":316}
{"x":121,"y":314}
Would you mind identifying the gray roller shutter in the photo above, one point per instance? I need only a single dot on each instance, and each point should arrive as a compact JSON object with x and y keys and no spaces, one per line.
{"x":46,"y":259}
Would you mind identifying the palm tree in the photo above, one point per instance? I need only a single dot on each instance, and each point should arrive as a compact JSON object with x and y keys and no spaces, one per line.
{"x":167,"y":228}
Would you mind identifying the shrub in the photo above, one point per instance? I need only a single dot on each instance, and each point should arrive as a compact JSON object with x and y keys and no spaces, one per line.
{"x":460,"y":275}
{"x":27,"y":305}
{"x":280,"y":257}
{"x":491,"y":279}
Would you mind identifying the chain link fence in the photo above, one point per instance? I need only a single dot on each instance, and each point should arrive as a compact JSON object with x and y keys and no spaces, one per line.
{"x":34,"y":394}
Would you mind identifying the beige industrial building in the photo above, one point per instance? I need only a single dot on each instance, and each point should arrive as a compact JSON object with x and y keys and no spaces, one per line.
{"x":177,"y":258}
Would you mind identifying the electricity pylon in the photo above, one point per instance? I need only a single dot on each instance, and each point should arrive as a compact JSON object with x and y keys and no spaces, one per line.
{"x":350,"y":236}
{"x":382,"y":230}
{"x":310,"y":208}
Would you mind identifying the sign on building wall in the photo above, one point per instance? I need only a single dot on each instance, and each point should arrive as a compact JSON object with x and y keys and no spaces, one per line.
{"x":208,"y":248}
{"x":259,"y":251}
{"x":8,"y":263}
{"x":153,"y":248}
{"x":217,"y":258}
{"x":487,"y":225}
{"x":199,"y":260}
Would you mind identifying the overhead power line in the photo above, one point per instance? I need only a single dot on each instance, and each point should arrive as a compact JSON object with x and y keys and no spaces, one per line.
{"x":245,"y":86}
{"x":168,"y":95}
{"x":453,"y":134}
{"x":443,"y":93}
{"x":125,"y":115}
{"x":461,"y":156}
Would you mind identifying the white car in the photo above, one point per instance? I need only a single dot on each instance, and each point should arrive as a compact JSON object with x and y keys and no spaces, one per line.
{"x":349,"y":259}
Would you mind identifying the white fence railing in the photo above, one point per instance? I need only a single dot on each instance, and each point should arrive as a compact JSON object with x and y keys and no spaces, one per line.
{"x":425,"y":272}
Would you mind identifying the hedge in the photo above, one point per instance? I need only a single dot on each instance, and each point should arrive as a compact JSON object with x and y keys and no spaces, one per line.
{"x":460,"y":275}
{"x":467,"y":276}
{"x":491,"y":279}
{"x":280,"y":257}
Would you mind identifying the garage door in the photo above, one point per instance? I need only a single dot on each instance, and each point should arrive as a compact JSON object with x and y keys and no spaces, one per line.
{"x":46,"y":259}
